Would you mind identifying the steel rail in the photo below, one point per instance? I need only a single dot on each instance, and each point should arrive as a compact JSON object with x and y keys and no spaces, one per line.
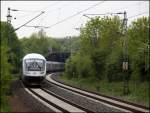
{"x":102,"y":95}
{"x":67,"y":101}
{"x":51,"y":103}
{"x":99,"y":94}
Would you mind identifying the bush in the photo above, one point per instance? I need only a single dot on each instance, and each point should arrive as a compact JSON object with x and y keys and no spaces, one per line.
{"x":79,"y":66}
{"x":98,"y":58}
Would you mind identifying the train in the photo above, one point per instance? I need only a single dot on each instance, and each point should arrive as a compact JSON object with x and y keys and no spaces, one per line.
{"x":52,"y":66}
{"x":35,"y":67}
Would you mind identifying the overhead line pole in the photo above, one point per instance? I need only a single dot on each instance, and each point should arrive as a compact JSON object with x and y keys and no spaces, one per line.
{"x":125,"y":55}
{"x":9,"y":17}
{"x":125,"y":49}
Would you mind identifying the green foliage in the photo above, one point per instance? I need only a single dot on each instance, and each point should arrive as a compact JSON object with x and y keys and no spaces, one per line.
{"x":70,"y":69}
{"x":98,"y":59}
{"x":11,"y":52}
{"x":114,"y":63}
{"x":9,"y":37}
{"x":34,"y":44}
{"x":68,"y":44}
{"x":5,"y":70}
{"x":114,"y":68}
{"x":138,"y":34}
{"x":98,"y":40}
{"x":79,"y":66}
{"x":101,"y":40}
{"x":106,"y":40}
{"x":10,"y":48}
{"x":41,"y":45}
{"x":5,"y":105}
{"x":138,"y":89}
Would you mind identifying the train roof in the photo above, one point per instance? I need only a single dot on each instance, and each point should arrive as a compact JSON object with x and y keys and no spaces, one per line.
{"x":33,"y":55}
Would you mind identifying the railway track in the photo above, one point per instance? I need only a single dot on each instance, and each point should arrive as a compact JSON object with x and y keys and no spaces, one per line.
{"x":67,"y":101}
{"x":117,"y":103}
{"x":55,"y":102}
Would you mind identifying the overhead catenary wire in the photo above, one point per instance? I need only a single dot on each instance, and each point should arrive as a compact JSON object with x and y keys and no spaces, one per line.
{"x":30,"y":20}
{"x":24,"y":15}
{"x":36,"y":26}
{"x":70,"y":16}
{"x":116,"y":13}
{"x":49,"y":11}
{"x":75,"y":14}
{"x":41,"y":21}
{"x":88,"y":14}
{"x":83,"y":11}
{"x":30,"y":12}
{"x":138,"y":14}
{"x":50,"y":5}
{"x":65,"y":19}
{"x":117,"y":10}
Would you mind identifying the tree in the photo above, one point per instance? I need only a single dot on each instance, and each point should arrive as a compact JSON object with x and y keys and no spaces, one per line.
{"x":10,"y":40}
{"x":138,"y":34}
{"x":79,"y":66}
{"x":36,"y":44}
{"x":99,"y":38}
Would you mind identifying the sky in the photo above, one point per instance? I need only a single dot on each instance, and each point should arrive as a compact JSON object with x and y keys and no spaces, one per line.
{"x":56,"y":13}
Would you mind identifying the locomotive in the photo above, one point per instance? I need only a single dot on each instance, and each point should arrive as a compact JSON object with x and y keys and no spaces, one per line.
{"x":35,"y":66}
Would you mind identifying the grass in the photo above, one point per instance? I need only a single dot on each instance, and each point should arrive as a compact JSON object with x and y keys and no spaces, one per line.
{"x":5,"y":104}
{"x":139,"y":92}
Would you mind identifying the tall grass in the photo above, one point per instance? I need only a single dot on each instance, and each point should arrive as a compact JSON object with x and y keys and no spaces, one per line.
{"x":139,"y":92}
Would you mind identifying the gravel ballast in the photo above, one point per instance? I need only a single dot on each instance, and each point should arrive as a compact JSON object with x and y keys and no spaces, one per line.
{"x":83,"y":101}
{"x":26,"y":99}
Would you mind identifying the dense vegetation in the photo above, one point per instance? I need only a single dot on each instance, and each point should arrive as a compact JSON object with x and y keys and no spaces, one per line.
{"x":43,"y":44}
{"x":99,"y":61}
{"x":13,"y":50}
{"x":101,"y":52}
{"x":96,"y":55}
{"x":10,"y":60}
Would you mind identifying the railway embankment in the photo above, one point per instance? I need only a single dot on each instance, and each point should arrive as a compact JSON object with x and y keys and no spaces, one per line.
{"x":80,"y":100}
{"x":139,"y":93}
{"x":22,"y":101}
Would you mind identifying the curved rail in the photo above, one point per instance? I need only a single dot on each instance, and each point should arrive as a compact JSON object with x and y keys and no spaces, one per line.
{"x":103,"y":98}
{"x":67,"y":101}
{"x":57,"y":103}
{"x":49,"y":102}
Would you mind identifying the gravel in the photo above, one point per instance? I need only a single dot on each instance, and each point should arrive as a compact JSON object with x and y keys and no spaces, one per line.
{"x":83,"y":101}
{"x":36,"y":106}
{"x":28,"y":101}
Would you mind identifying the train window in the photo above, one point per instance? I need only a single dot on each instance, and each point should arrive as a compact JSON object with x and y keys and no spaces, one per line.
{"x":34,"y":65}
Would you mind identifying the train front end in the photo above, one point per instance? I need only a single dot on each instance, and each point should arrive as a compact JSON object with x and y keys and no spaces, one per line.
{"x":34,"y":69}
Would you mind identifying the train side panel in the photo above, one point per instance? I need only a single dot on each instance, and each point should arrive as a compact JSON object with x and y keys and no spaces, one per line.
{"x":54,"y":66}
